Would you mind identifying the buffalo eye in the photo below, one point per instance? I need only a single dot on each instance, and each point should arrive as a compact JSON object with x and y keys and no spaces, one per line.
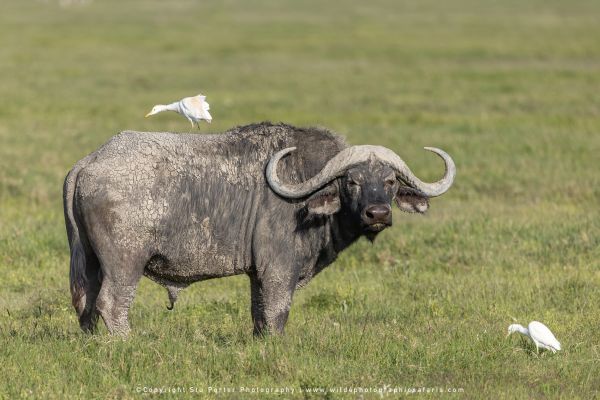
{"x":390,"y":182}
{"x":353,"y":188}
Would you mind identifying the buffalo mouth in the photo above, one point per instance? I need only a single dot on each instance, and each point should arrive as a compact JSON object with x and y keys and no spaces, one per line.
{"x":376,"y":227}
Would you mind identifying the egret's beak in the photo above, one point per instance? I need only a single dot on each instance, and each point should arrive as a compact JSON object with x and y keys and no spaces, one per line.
{"x":149,"y":114}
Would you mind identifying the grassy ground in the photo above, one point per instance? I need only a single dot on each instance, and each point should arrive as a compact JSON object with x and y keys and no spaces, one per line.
{"x":509,"y":89}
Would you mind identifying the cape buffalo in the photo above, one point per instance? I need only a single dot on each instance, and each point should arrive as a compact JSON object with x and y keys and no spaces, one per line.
{"x":272,"y":201}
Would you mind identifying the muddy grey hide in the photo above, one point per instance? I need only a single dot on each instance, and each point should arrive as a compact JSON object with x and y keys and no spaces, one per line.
{"x":272,"y":201}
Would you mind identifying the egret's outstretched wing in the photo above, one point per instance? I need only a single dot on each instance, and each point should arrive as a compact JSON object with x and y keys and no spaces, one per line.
{"x":193,"y":106}
{"x":540,"y":333}
{"x":202,"y":100}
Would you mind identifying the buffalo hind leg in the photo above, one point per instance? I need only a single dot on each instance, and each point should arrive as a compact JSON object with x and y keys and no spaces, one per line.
{"x":114,"y":301}
{"x":88,"y":318}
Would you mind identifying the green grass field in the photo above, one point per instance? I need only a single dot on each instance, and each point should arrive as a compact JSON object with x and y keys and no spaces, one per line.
{"x":510,"y":89}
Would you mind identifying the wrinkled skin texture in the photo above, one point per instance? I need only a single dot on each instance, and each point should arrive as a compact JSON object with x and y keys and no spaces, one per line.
{"x":182,"y":208}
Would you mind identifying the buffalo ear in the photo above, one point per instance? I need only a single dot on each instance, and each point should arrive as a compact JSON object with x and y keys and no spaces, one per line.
{"x":325,"y":202}
{"x":411,"y":200}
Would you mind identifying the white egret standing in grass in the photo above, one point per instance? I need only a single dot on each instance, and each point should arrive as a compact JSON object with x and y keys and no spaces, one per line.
{"x":539,"y":333}
{"x":195,"y":109}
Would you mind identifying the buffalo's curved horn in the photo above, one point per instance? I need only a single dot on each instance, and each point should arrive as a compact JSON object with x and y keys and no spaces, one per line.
{"x":352,"y":156}
{"x":429,"y":189}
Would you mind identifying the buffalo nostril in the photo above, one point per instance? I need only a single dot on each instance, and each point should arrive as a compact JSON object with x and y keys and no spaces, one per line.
{"x":377,"y":213}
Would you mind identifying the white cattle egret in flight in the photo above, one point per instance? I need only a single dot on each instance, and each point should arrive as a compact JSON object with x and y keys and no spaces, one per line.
{"x":195,"y":109}
{"x":539,"y":333}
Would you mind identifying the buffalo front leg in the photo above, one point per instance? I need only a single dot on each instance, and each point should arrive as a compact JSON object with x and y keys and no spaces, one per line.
{"x":256,"y":305}
{"x":271,"y":301}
